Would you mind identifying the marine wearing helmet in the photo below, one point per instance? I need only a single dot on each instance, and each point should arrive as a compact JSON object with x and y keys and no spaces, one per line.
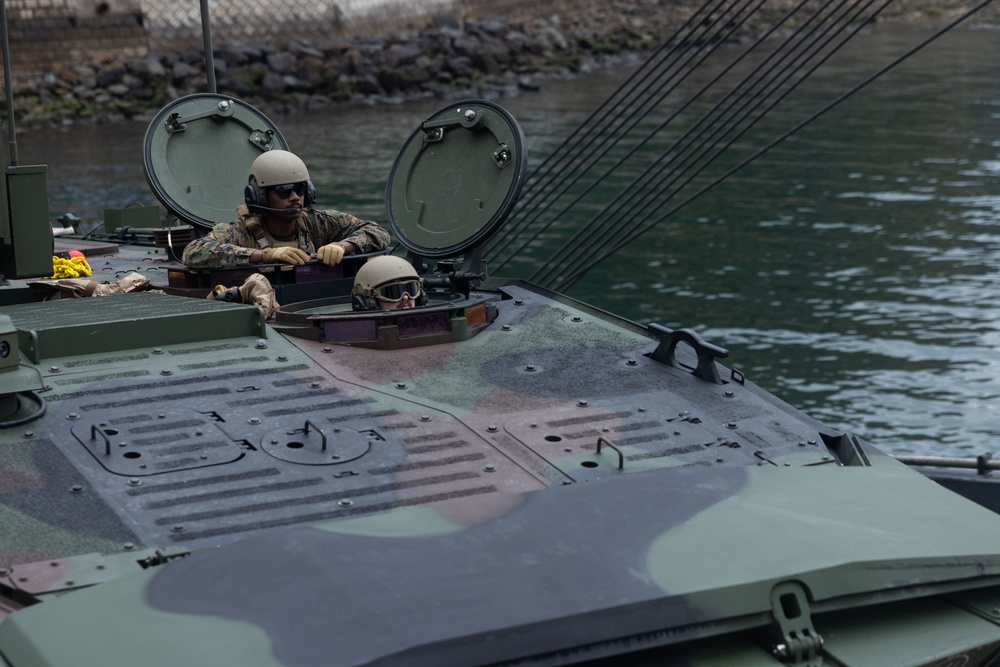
{"x":387,"y":283}
{"x":278,"y":224}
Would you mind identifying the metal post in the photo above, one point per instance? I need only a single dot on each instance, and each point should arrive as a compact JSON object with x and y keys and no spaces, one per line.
{"x":8,"y":84}
{"x":206,"y":34}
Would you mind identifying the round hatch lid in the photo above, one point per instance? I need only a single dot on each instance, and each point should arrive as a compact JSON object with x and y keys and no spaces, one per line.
{"x":456,"y":179}
{"x":197,"y":154}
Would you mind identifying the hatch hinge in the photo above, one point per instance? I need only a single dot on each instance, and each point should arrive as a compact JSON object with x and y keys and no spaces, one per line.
{"x":798,"y":644}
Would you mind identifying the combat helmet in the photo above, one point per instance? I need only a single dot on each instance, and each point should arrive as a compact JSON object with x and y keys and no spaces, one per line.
{"x":385,"y":277}
{"x":276,"y":167}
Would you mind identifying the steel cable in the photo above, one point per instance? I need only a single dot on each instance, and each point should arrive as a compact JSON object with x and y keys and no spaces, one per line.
{"x":728,"y":116}
{"x":579,"y":272}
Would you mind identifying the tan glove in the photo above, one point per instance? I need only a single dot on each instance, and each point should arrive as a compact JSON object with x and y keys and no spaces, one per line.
{"x":331,"y":254}
{"x":286,"y":254}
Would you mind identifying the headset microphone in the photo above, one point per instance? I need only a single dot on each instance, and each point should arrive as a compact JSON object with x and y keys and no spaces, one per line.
{"x":290,"y":209}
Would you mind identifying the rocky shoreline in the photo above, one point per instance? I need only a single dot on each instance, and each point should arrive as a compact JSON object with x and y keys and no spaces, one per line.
{"x":489,"y":56}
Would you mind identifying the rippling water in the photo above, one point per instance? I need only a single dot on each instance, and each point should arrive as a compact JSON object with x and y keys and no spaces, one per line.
{"x":852,"y":271}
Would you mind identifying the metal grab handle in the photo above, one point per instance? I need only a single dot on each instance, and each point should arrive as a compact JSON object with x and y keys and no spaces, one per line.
{"x":322,"y":434}
{"x":707,"y":353}
{"x":621,"y":457}
{"x":107,"y":441}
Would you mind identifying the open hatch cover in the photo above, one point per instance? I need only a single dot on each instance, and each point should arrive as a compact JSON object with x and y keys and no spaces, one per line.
{"x":456,"y":179}
{"x":197,"y":153}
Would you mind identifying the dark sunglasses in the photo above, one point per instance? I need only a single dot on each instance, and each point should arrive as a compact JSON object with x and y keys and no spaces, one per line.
{"x":395,"y":291}
{"x":285,"y":191}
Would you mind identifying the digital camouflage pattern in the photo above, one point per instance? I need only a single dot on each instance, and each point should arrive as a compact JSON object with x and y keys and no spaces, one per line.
{"x":231,"y":244}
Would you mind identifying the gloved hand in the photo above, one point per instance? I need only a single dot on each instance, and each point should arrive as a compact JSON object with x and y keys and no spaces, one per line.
{"x":286,"y":254}
{"x":331,"y":254}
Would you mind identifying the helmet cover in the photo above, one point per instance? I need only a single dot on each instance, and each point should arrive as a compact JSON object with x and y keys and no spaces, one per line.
{"x":277,"y":167}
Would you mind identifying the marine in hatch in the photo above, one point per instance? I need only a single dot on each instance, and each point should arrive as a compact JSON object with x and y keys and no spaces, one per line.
{"x":278,"y":224}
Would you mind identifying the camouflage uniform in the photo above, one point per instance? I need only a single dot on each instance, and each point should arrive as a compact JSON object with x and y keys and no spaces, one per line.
{"x":231,"y":244}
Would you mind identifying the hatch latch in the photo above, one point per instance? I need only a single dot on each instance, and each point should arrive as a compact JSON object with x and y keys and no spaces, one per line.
{"x":177,"y":123}
{"x":798,"y":644}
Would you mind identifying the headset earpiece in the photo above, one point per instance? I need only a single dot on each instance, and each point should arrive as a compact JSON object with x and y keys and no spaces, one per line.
{"x":359,"y":302}
{"x":254,"y":196}
{"x":310,"y":197}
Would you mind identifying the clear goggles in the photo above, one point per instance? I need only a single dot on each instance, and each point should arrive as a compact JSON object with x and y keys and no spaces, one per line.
{"x":285,"y":191}
{"x":395,"y":291}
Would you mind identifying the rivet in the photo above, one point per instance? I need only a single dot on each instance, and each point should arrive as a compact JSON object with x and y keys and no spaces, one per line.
{"x":76,"y":488}
{"x":166,"y":371}
{"x":314,"y":385}
{"x":282,"y":357}
{"x":4,"y":571}
{"x":582,"y":403}
{"x":577,"y":319}
{"x":530,"y":368}
{"x":161,"y":416}
{"x":157,"y":350}
{"x":518,"y":302}
{"x":29,"y":434}
{"x":425,"y":418}
{"x":827,"y":458}
{"x":254,"y":420}
{"x":812,"y":442}
{"x":128,"y":546}
{"x":505,"y":327}
{"x":788,"y":465}
{"x":54,"y":369}
{"x":135,"y":481}
{"x":491,"y":429}
{"x":197,"y":433}
{"x":345,"y":502}
{"x":469,"y":114}
{"x":632,"y":362}
{"x":731,"y":425}
{"x":72,"y":415}
{"x":489,"y":467}
{"x":400,"y":385}
{"x":729,"y":394}
{"x":642,"y":409}
{"x":328,"y":349}
{"x":177,"y":529}
{"x":534,"y":426}
{"x":261,"y":344}
{"x":718,"y":460}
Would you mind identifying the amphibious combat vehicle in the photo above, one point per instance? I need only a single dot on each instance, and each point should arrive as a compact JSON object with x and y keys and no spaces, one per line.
{"x":502,"y":476}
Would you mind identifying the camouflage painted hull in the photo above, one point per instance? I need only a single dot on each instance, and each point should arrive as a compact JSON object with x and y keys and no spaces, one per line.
{"x":564,"y":487}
